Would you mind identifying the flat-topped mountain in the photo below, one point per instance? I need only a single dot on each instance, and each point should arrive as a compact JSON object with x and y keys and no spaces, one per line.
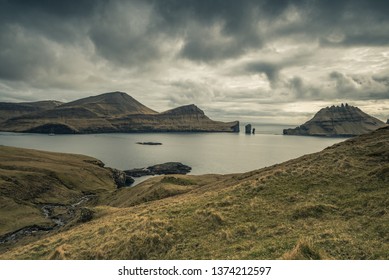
{"x":108,"y":112}
{"x":341,"y":120}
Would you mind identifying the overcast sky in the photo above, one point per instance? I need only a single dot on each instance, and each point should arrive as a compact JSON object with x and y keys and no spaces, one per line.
{"x":258,"y":61}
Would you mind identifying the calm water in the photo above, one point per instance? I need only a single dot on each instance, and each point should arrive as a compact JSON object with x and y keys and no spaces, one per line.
{"x":205,"y":152}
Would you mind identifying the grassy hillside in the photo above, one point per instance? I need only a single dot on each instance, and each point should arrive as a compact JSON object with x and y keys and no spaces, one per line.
{"x":30,"y":178}
{"x":328,"y":205}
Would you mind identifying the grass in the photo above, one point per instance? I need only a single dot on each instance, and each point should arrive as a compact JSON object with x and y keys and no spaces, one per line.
{"x":328,"y":205}
{"x":29,"y":178}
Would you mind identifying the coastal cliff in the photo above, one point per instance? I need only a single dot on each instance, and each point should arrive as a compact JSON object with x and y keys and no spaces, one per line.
{"x":106,"y":113}
{"x":342,"y":121}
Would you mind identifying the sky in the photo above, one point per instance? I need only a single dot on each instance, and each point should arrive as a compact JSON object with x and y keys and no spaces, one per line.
{"x":260,"y":61}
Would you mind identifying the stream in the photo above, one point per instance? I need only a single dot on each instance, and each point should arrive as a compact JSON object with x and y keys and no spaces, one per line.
{"x":68,"y":213}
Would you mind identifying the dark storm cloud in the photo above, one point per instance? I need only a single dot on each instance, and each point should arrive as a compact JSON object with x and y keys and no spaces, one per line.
{"x":58,"y":8}
{"x":62,"y":44}
{"x":360,"y":87}
{"x":210,"y":30}
{"x":270,"y":69}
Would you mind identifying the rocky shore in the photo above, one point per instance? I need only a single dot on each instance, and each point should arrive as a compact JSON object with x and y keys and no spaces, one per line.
{"x":159,"y":169}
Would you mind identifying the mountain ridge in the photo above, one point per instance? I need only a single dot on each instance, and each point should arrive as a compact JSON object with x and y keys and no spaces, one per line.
{"x":107,"y":113}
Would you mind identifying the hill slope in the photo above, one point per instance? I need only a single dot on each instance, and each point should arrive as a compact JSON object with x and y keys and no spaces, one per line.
{"x":111,"y":104}
{"x":109,"y":112}
{"x":341,"y":120}
{"x":332,"y":204}
{"x":30,"y":179}
{"x":10,"y":110}
{"x":185,"y":118}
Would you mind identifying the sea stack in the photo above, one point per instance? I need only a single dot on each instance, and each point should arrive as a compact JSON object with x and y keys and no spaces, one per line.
{"x":342,"y":121}
{"x":248,"y":129}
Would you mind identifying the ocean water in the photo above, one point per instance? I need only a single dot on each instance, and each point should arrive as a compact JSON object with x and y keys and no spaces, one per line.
{"x":216,"y":153}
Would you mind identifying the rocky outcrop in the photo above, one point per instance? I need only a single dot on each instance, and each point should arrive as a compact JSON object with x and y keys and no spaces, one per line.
{"x":160,"y":169}
{"x":107,"y":113}
{"x":248,"y":128}
{"x":342,"y":121}
{"x":121,"y":178}
{"x":169,"y":168}
{"x":149,"y":143}
{"x":138,"y":172}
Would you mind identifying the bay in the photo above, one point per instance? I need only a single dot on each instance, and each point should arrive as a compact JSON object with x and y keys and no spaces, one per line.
{"x":206,"y":153}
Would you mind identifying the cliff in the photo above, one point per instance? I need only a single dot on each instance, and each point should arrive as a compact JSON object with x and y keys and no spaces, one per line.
{"x":339,"y":121}
{"x":108,"y":112}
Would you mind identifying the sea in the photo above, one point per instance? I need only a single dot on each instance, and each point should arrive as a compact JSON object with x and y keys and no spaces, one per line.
{"x":206,"y":153}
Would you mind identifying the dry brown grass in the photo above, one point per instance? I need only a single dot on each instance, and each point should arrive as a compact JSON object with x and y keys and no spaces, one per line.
{"x":328,"y":205}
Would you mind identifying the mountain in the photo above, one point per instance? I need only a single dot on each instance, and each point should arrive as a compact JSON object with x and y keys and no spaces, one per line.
{"x":328,"y":205}
{"x":10,"y":110}
{"x":185,"y":118}
{"x":110,"y":104}
{"x":108,"y":112}
{"x":341,"y":120}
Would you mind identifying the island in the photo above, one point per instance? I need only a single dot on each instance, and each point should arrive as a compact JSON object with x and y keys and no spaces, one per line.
{"x":337,"y":121}
{"x":105,"y":113}
{"x":149,"y":143}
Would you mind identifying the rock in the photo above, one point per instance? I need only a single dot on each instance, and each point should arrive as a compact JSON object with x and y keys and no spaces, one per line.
{"x":137,"y":172}
{"x":248,"y":129}
{"x":129,"y":180}
{"x":85,"y":215}
{"x":159,"y":169}
{"x":169,"y":168}
{"x":387,"y":121}
{"x":119,"y":177}
{"x":95,"y":162}
{"x":344,"y":121}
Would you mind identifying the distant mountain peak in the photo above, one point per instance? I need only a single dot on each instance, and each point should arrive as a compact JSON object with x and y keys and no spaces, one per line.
{"x":187,"y":110}
{"x":343,"y":120}
{"x":111,"y":104}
